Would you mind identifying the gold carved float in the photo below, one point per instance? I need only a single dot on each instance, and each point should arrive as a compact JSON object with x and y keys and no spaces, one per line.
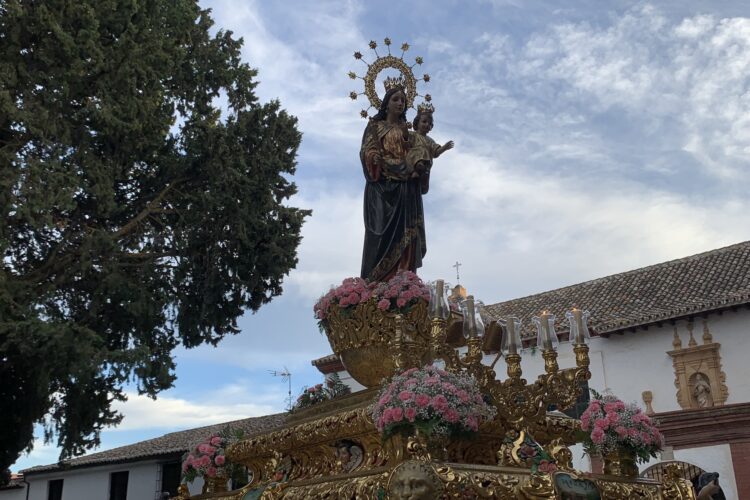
{"x":333,"y":450}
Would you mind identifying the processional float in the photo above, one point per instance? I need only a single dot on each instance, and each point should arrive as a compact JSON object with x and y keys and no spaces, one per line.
{"x":334,"y":450}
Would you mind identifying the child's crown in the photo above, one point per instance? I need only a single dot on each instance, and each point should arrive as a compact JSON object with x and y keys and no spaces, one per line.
{"x":426,"y":107}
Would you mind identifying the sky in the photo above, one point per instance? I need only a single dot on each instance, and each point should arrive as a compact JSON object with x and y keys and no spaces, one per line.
{"x":591,"y":138}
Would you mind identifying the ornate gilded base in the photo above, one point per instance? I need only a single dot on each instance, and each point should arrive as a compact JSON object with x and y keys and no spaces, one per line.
{"x":426,"y":480}
{"x":621,"y":463}
{"x":333,"y":451}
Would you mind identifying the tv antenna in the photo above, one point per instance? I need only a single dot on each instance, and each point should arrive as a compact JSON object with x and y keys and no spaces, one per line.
{"x":286,"y":376}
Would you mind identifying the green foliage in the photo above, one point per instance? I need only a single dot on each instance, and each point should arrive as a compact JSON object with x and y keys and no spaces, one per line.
{"x":133,"y":216}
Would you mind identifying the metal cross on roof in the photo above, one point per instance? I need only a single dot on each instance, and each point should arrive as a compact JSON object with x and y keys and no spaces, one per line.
{"x":457,"y":265}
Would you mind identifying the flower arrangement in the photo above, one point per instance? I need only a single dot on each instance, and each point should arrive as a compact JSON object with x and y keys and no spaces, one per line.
{"x":398,"y":294}
{"x":610,"y":425}
{"x":432,"y":400}
{"x":334,"y":388}
{"x":207,"y":458}
{"x":536,"y":457}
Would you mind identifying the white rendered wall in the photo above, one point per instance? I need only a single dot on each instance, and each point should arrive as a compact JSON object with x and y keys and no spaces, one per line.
{"x":13,"y":494}
{"x":92,"y":483}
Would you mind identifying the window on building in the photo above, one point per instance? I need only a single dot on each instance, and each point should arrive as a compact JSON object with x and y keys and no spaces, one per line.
{"x":118,"y":485}
{"x":170,"y":479}
{"x":54,"y":489}
{"x":241,"y":478}
{"x":581,"y":403}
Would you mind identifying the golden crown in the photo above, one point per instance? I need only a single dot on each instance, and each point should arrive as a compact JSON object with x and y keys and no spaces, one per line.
{"x":425,"y":107}
{"x":398,"y":82}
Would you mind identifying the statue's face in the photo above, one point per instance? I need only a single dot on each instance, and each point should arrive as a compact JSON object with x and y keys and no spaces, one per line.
{"x":424,"y":125}
{"x":412,"y":481}
{"x":412,"y":488}
{"x":397,"y":104}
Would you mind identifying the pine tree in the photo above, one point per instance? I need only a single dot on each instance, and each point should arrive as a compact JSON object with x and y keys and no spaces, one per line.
{"x":134,"y":216}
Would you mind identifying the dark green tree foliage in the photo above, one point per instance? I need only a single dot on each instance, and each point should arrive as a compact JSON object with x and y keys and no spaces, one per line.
{"x":133,"y":217}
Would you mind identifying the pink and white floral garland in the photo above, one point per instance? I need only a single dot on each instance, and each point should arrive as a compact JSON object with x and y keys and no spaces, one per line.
{"x":206,"y":459}
{"x":432,"y":399}
{"x":397,"y":294}
{"x":610,"y":424}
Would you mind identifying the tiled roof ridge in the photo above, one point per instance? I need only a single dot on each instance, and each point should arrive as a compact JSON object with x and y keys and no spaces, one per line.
{"x":638,"y":270}
{"x":709,"y":281}
{"x":166,"y":444}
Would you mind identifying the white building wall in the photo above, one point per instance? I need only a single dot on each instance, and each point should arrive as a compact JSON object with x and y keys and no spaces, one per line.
{"x":14,"y":494}
{"x":92,"y":483}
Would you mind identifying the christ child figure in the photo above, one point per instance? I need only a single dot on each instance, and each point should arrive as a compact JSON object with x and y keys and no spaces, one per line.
{"x":423,"y":148}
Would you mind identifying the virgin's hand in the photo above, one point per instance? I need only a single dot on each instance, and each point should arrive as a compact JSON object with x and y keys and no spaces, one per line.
{"x":448,"y":145}
{"x":404,"y":131}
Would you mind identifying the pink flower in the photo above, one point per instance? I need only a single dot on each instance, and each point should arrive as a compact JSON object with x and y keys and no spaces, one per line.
{"x":439,"y":402}
{"x":211,"y":471}
{"x":205,"y":461}
{"x":601,"y":423}
{"x":452,"y":415}
{"x":384,"y":304}
{"x":385,"y":400}
{"x":397,"y":414}
{"x":381,"y":424}
{"x":353,"y":298}
{"x":220,"y":460}
{"x":431,"y":381}
{"x":597,"y":436}
{"x":546,"y":466}
{"x":405,"y":395}
{"x":387,"y":418}
{"x":448,"y":387}
{"x":422,"y":400}
{"x":621,"y":431}
{"x":400,"y":302}
{"x":612,"y":418}
{"x":411,"y":414}
{"x":585,"y":421}
{"x":472,"y":423}
{"x":463,"y":396}
{"x":646,"y":438}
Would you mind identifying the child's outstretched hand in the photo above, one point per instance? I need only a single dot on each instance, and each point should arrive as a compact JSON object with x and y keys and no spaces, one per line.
{"x":445,"y":147}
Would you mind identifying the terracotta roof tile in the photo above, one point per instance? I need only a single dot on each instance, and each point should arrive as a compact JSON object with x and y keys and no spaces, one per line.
{"x":692,"y":285}
{"x":174,"y":443}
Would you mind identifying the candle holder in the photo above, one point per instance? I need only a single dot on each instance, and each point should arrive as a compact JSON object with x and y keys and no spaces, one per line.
{"x":520,"y":404}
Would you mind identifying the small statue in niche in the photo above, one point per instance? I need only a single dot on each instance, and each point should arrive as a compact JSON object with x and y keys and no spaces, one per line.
{"x":702,"y":391}
{"x":349,"y":455}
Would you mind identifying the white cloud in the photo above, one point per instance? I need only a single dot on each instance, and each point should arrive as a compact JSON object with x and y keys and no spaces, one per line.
{"x":230,"y":402}
{"x":693,"y":74}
